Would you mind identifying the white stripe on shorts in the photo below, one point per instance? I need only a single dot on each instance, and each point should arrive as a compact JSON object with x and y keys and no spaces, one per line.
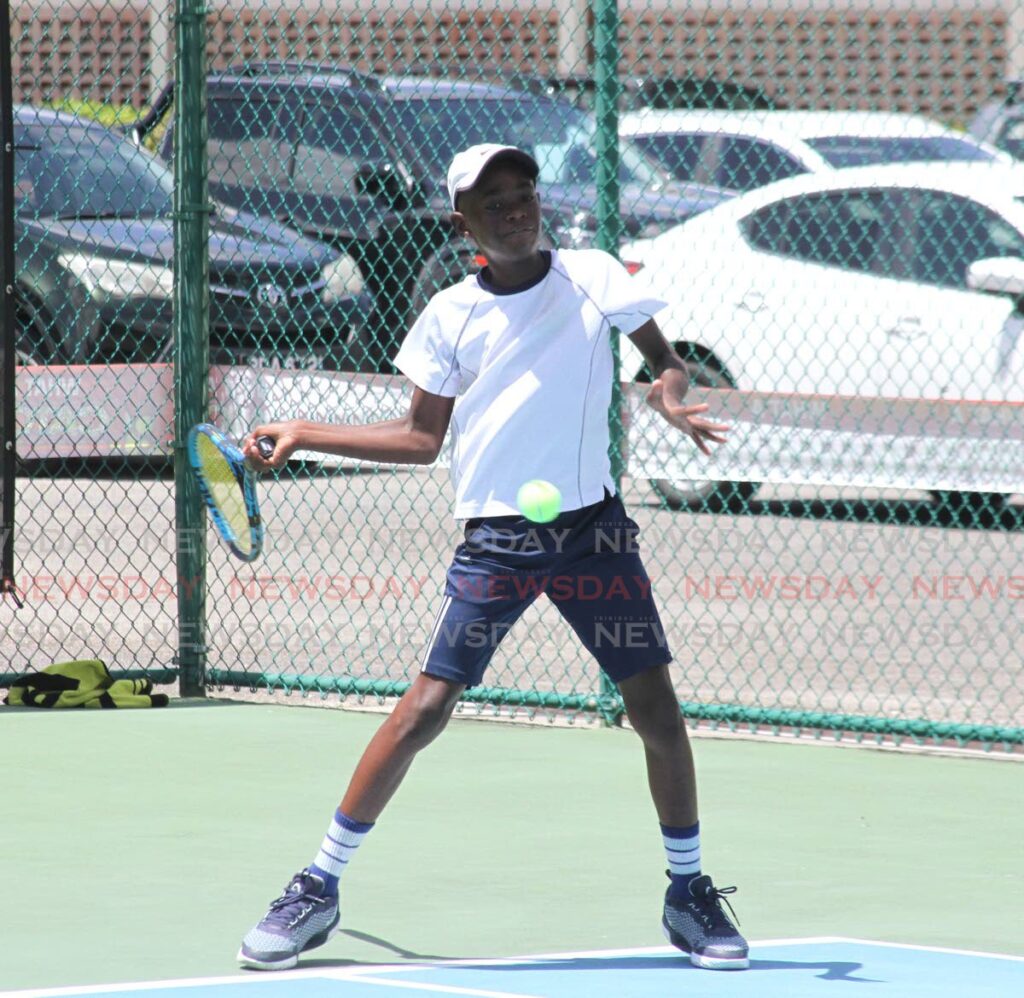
{"x":445,"y":603}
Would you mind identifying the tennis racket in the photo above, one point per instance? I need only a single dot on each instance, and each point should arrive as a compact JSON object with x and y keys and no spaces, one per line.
{"x":228,"y":487}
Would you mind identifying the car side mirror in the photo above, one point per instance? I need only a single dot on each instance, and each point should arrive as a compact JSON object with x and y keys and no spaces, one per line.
{"x":999,"y":275}
{"x":383,"y":182}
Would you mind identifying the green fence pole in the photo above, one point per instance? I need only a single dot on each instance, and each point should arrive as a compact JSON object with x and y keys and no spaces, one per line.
{"x":609,"y":226}
{"x":191,"y":329}
{"x":8,"y":325}
{"x":606,"y":142}
{"x":606,"y":111}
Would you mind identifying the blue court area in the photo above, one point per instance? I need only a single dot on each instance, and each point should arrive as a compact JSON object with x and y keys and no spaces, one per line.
{"x":810,"y":968}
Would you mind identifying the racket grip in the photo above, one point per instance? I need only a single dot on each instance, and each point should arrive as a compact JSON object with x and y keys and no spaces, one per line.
{"x":265,"y":445}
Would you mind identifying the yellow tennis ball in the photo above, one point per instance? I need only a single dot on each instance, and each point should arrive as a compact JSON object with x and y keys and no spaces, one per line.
{"x":539,"y":501}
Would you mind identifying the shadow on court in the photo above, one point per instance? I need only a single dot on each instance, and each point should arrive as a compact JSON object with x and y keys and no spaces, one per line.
{"x":817,"y":966}
{"x":835,"y":970}
{"x":830,"y":970}
{"x":393,"y":948}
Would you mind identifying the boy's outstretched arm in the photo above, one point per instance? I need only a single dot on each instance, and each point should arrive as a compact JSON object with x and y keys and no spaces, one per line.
{"x":416,"y":438}
{"x":669,"y":386}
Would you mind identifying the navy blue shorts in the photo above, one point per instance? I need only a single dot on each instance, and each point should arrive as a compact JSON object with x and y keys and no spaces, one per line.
{"x":585,"y":561}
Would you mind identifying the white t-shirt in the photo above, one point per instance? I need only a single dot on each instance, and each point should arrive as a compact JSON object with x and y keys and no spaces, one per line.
{"x":531,"y":371}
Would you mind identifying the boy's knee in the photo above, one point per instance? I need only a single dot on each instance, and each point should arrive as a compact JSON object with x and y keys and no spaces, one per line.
{"x":652,"y":709}
{"x":428,"y":723}
{"x":424,"y":713}
{"x":658,"y":724}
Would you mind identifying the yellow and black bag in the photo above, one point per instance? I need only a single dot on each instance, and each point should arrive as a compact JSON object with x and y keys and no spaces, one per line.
{"x":82,"y":683}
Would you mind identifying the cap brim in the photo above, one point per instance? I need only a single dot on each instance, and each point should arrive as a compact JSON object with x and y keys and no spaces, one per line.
{"x":517,"y":156}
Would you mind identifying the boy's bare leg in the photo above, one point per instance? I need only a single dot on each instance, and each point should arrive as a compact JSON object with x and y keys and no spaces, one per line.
{"x":418,"y":718}
{"x":692,"y":917}
{"x":653,"y":711}
{"x":306,"y":914}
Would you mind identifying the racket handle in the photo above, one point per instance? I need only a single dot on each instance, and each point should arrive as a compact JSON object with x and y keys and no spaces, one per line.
{"x":265,"y":445}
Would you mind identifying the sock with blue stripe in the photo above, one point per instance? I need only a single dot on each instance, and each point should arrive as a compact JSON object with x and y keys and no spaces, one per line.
{"x":341,"y":841}
{"x":682,"y":847}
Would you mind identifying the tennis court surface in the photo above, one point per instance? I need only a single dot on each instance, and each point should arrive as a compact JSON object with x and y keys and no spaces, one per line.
{"x":793,"y":968}
{"x":141,"y":845}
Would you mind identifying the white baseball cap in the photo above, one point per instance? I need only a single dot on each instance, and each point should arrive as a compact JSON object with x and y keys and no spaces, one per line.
{"x":470,"y":163}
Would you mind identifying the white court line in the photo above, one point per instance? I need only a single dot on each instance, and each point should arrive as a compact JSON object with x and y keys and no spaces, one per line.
{"x":334,"y":973}
{"x":127,"y":986}
{"x":360,"y":972}
{"x":923,"y":949}
{"x":608,"y":954}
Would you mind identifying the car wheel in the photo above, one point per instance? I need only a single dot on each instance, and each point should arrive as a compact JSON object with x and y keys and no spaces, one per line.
{"x":705,"y":495}
{"x":368,"y":352}
{"x":441,"y":270}
{"x":31,"y":343}
{"x":970,"y":504}
{"x":24,"y":349}
{"x":383,"y":333}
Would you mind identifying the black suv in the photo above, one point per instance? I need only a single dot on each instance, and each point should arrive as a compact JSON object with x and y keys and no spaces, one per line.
{"x":94,"y":244}
{"x":1001,"y":123}
{"x":360,"y":161}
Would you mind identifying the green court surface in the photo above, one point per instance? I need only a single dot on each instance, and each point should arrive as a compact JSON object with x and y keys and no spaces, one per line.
{"x":141,"y":845}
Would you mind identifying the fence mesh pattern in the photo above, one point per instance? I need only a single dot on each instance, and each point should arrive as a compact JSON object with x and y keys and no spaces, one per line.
{"x":826,"y":196}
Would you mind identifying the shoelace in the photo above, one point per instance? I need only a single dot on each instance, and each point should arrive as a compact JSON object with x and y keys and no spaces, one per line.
{"x":283,"y":909}
{"x":715,"y":896}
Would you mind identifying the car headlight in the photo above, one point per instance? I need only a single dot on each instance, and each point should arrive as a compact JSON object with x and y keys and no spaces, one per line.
{"x":119,"y":278}
{"x":577,"y":232}
{"x":342,"y":279}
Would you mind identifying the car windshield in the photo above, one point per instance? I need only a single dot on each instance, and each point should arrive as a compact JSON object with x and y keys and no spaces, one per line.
{"x":853,"y":150}
{"x":679,"y":152}
{"x":1011,"y":138}
{"x":71,"y":171}
{"x":558,"y":136}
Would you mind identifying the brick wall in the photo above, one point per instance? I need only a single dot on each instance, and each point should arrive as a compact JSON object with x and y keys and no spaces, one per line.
{"x":389,"y":40}
{"x":944,"y":60}
{"x":97,"y":51}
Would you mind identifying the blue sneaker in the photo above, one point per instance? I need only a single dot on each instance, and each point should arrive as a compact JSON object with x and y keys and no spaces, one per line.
{"x":697,"y":925}
{"x":301,"y":918}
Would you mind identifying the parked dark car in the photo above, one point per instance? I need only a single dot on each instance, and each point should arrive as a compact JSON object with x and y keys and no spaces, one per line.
{"x":94,"y":256}
{"x":360,"y":161}
{"x":658,"y":92}
{"x":1001,"y":122}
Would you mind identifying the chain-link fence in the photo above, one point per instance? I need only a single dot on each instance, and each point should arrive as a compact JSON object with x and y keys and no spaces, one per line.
{"x":236,"y":213}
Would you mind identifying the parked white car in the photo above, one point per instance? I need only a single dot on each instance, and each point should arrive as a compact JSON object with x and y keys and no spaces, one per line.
{"x":742,"y":150}
{"x":1001,"y":122}
{"x":884,"y":281}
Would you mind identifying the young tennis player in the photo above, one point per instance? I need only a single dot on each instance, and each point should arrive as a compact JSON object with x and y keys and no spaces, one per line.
{"x":517,"y":360}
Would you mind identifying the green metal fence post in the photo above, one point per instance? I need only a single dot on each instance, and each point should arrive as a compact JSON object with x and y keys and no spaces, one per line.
{"x":606,"y":111}
{"x":8,"y":324}
{"x":609,"y":227}
{"x":191,"y":333}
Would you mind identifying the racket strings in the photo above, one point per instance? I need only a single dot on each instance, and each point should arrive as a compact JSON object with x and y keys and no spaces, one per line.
{"x":224,"y":483}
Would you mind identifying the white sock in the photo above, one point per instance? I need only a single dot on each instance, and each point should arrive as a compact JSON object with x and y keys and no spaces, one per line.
{"x":343,"y":838}
{"x":682,"y":848}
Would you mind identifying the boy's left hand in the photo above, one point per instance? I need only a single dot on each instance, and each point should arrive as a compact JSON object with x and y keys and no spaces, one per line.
{"x":688,"y":418}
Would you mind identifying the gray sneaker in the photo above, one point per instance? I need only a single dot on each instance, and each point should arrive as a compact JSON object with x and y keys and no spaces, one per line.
{"x":300,"y":919}
{"x":698,"y":926}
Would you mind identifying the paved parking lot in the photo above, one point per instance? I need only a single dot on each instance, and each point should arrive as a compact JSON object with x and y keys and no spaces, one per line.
{"x":770,"y":609}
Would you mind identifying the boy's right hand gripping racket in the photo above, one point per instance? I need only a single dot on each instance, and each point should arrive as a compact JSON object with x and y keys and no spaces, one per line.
{"x":228,"y":487}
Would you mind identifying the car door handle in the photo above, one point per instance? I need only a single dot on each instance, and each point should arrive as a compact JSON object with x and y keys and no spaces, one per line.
{"x":906,"y":327}
{"x":752,"y":301}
